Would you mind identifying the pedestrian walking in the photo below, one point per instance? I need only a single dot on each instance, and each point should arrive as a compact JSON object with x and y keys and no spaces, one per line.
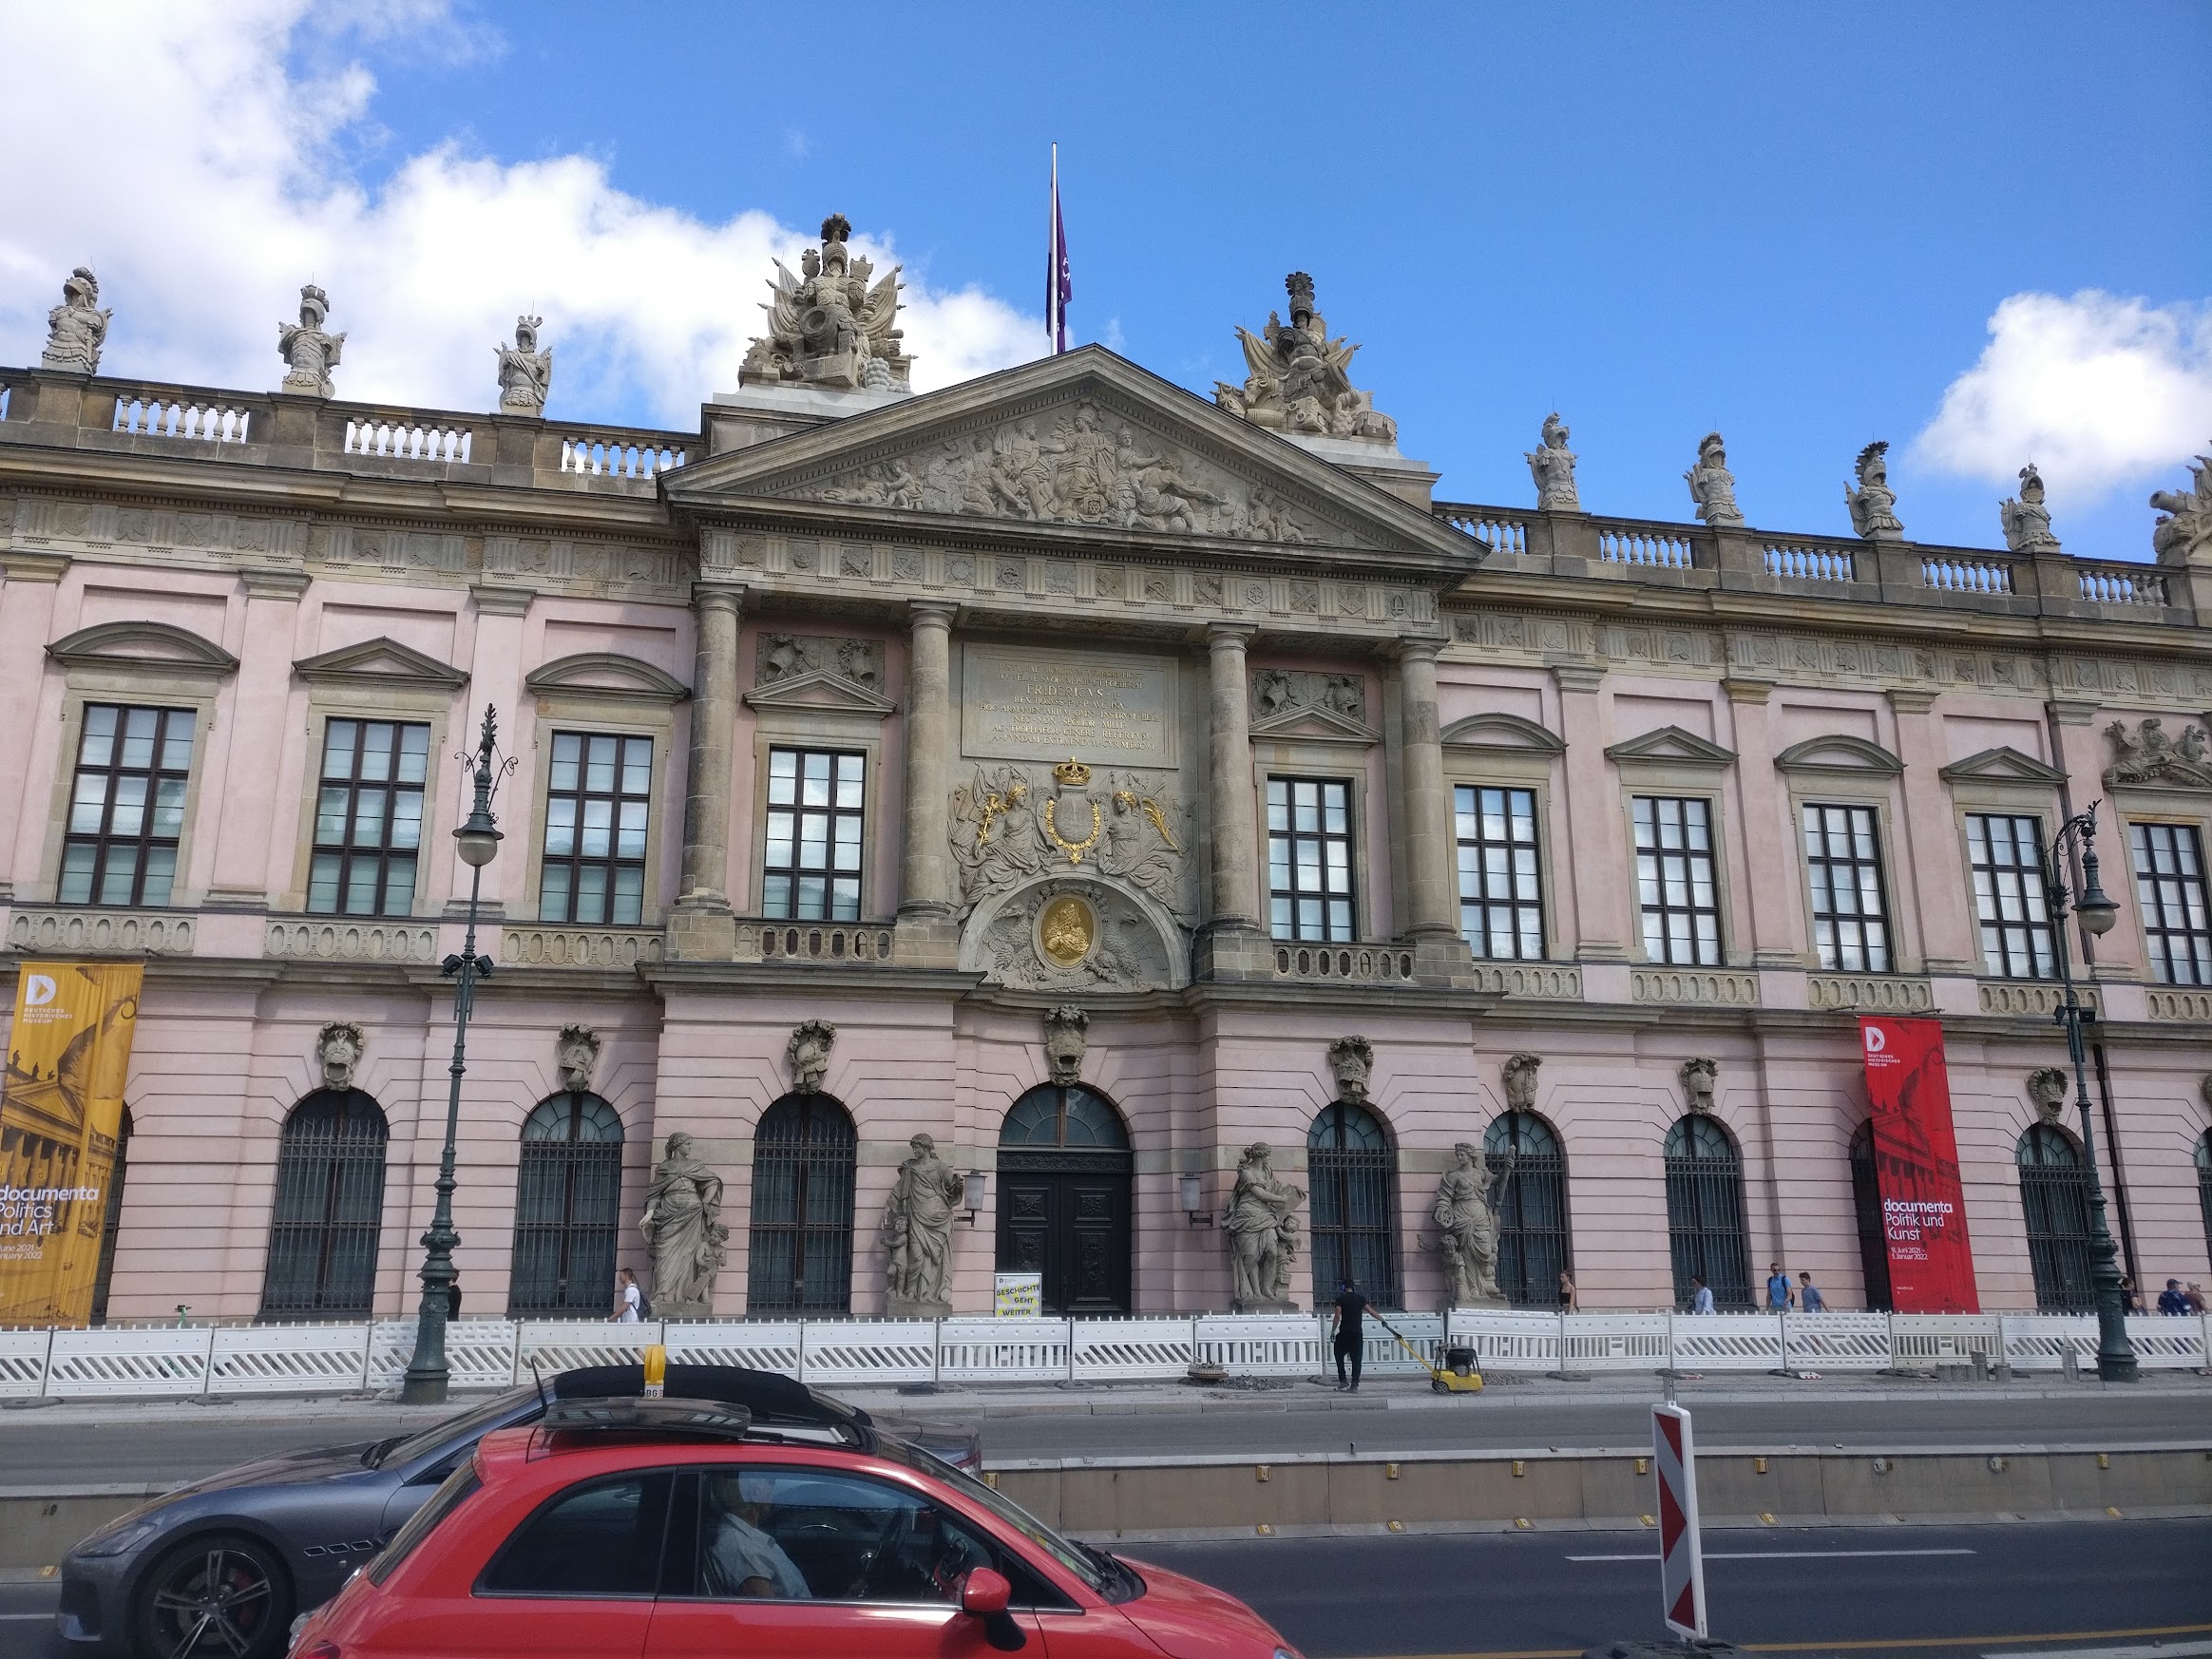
{"x":629,"y":1300}
{"x":2130,"y":1298}
{"x":2173,"y":1299}
{"x":1350,"y":1309}
{"x":1569,"y":1301}
{"x":1701,"y":1295}
{"x":1778,"y":1295}
{"x":453,"y":1300}
{"x":1809,"y":1297}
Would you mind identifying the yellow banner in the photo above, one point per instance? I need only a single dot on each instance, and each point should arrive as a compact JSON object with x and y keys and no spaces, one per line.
{"x":60,"y":1114}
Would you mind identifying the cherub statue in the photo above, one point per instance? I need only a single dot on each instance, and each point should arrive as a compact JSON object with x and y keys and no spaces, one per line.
{"x":1873,"y":504}
{"x":526,"y":374}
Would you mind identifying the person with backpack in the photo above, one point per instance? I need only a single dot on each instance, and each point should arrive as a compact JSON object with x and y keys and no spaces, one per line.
{"x":629,"y":1300}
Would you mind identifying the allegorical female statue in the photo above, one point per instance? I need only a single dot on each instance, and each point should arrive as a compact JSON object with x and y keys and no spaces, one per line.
{"x":1261,"y":1224}
{"x":682,"y":1223}
{"x":917,"y":1231}
{"x":1466,"y":1214}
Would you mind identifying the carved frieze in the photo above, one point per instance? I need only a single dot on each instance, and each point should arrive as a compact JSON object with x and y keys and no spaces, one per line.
{"x":1280,"y":692}
{"x":782,"y":657}
{"x":2148,"y":757}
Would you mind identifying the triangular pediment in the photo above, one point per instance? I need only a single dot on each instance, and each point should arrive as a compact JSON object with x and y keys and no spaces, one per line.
{"x":146,"y":646}
{"x":1314,"y":726}
{"x":1077,"y":448}
{"x":823,"y":689}
{"x":383,"y":662}
{"x":1511,"y":733}
{"x":1839,"y":751}
{"x":2003,"y":764}
{"x":1672,"y":746}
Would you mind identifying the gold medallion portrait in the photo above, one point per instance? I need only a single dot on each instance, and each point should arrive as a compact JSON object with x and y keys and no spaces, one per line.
{"x":1066,"y":929}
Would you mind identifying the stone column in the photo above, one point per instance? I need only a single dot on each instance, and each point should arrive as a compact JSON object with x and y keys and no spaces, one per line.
{"x":700,"y":924}
{"x":1231,"y":944}
{"x":1424,"y":818}
{"x":928,"y":934}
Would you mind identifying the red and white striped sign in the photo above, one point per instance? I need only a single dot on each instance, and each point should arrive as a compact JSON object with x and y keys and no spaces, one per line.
{"x":1682,"y":1598}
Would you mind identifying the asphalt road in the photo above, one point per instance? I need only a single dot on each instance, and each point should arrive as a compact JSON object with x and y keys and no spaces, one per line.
{"x":1933,"y":1590}
{"x":53,"y":1446}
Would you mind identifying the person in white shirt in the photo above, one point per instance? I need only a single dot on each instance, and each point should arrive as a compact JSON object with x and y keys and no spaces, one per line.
{"x":629,"y":1300}
{"x":741,"y":1559}
{"x":1701,"y":1299}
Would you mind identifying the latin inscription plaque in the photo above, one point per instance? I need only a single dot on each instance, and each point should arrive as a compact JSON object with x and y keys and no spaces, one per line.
{"x":1020,"y":704}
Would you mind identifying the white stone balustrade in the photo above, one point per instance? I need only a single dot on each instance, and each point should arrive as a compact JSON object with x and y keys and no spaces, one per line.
{"x":1810,"y":562}
{"x":596,"y":457}
{"x":159,"y":417}
{"x":1966,"y":573}
{"x":398,"y":441}
{"x":1661,"y":546}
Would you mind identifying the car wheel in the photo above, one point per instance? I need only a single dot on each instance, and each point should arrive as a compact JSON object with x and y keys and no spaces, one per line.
{"x":216,"y":1598}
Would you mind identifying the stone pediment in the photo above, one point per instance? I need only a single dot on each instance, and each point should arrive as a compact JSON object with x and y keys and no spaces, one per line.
{"x":1671,"y":746}
{"x":380,"y":661}
{"x":819,"y":689}
{"x":1839,"y":753}
{"x":146,"y":646}
{"x":1511,"y":733}
{"x":2002,"y":765}
{"x":1085,"y":442}
{"x":607,"y":673}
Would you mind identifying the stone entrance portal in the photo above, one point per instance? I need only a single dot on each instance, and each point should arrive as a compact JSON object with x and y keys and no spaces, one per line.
{"x":1064,"y":1178}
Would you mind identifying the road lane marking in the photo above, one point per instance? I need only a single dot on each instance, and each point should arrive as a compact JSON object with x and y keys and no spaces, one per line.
{"x":1860,"y":1645}
{"x":2157,"y":1650}
{"x":1790,"y":1555}
{"x":43,"y":1615}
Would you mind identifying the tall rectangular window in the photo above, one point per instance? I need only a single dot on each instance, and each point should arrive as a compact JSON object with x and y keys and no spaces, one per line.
{"x":126,"y":812}
{"x":369,"y":818}
{"x":1674,"y":879}
{"x":2006,"y":854}
{"x":1309,"y":858}
{"x":1843,"y":862}
{"x":1502,"y":908}
{"x":811,"y":872}
{"x":597,"y":793}
{"x":2169,"y":891}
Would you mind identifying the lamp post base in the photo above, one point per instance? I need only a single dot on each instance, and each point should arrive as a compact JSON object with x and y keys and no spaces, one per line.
{"x":423,"y":1388}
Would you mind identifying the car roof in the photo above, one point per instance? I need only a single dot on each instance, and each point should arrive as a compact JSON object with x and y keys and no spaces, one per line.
{"x":769,"y":1396}
{"x":527,"y":1453}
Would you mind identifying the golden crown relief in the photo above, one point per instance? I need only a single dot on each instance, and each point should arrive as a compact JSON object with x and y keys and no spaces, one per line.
{"x":1072,"y":771}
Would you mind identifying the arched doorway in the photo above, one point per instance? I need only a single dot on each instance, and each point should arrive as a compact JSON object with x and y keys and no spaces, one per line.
{"x":1705,"y":1213}
{"x":802,"y":1208}
{"x":568,"y":1202}
{"x":111,"y":1223}
{"x":1866,"y":1208}
{"x":1064,"y":1175}
{"x":1534,"y":1243}
{"x":1353,"y":1169}
{"x":2054,"y":1201}
{"x":330,"y":1206}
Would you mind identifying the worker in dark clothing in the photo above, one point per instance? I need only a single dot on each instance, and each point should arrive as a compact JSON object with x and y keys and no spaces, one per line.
{"x":1350,"y":1343}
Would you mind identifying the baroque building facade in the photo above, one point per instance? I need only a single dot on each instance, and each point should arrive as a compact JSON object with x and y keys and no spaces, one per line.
{"x":1098,"y":781}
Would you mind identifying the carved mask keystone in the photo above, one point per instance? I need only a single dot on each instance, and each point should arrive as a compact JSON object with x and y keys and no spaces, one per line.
{"x":1519,"y":1073}
{"x":337,"y":1051}
{"x":577,"y":1056}
{"x":1352,"y":1059}
{"x":1064,"y":1043}
{"x":1698,"y":1076}
{"x":808,"y":1054}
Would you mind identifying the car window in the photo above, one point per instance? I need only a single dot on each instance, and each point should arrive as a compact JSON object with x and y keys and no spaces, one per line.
{"x":469,"y":1425}
{"x":1012,"y":1514}
{"x":442,"y":1503}
{"x":600,"y":1538}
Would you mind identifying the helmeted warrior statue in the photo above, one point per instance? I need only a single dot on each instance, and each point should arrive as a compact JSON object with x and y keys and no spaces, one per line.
{"x":526,"y":374}
{"x":827,"y":327}
{"x":1873,"y":506}
{"x":1712,"y":485}
{"x":308,"y":353}
{"x":1299,"y":380}
{"x":1551,"y":465}
{"x":2027,"y":521}
{"x":76,"y":326}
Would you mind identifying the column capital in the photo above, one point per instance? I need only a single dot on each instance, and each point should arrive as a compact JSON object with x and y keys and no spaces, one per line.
{"x":718,"y":596}
{"x":923,"y":613}
{"x":1748,"y":690}
{"x":1914,"y":699}
{"x":1575,"y":674}
{"x":2071,"y":711}
{"x":1416,"y":647}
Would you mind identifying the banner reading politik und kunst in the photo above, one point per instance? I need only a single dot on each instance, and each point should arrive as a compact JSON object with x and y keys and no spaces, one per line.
{"x":60,"y":1114}
{"x":1916,"y":1164}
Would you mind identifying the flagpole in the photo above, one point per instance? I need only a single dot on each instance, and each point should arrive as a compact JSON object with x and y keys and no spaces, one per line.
{"x":1052,"y":310}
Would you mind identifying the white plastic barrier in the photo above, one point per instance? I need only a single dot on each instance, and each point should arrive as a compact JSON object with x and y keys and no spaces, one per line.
{"x":287,"y":1359}
{"x":150,"y":1362}
{"x":1005,"y":1350}
{"x":1726,"y":1341}
{"x":23,"y":1362}
{"x":2166,"y":1344}
{"x":563,"y":1345}
{"x":768,"y":1345}
{"x":2038,"y":1341}
{"x":1616,"y":1342}
{"x":1836,"y":1342}
{"x":1921,"y":1341}
{"x":1133,"y":1350}
{"x":1263,"y":1344}
{"x":480,"y":1353}
{"x":858,"y":1351}
{"x":1424,"y":1333}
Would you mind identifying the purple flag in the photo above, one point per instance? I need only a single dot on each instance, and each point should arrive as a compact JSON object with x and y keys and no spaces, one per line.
{"x":1059,"y":285}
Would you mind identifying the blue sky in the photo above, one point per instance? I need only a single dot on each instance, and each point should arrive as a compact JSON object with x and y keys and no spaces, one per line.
{"x":1793,"y":223}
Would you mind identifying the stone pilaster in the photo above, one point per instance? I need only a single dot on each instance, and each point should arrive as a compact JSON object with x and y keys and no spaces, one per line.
{"x":28,"y":585}
{"x":249,"y":785}
{"x":1424,"y":816}
{"x":928,"y":932}
{"x":1231,"y":944}
{"x":1941,"y":894}
{"x":1598,"y":846}
{"x":700,"y":924}
{"x":1769,"y":845}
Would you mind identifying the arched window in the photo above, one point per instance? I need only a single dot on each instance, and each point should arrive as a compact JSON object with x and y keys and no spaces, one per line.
{"x":1066,"y":1171}
{"x":568,"y":1202}
{"x":1353,"y":1169}
{"x":802,"y":1208}
{"x":330,"y":1206}
{"x":111,"y":1223}
{"x":2054,"y":1200}
{"x":1866,"y":1205}
{"x":1533,"y":1244}
{"x":2205,"y":1185}
{"x":1705,"y":1213}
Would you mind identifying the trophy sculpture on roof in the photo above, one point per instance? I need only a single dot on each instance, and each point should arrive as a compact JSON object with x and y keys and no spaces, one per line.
{"x":827,"y":326}
{"x":1300,"y":379}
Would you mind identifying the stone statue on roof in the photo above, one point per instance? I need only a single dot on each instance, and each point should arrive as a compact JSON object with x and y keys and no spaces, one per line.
{"x":1873,"y":506}
{"x":76,"y":326}
{"x":1712,"y":485}
{"x":2185,"y":515}
{"x":2027,"y":521}
{"x":308,"y":353}
{"x":1299,"y":380}
{"x":526,"y":374}
{"x":1551,"y":465}
{"x":827,"y":326}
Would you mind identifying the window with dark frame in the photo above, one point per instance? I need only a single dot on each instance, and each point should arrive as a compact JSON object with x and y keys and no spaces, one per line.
{"x":597,"y":798}
{"x":369,"y":818}
{"x":1501,"y":901}
{"x":811,"y":869}
{"x":126,"y":810}
{"x":1844,"y":864}
{"x":2169,"y":892}
{"x":2005,"y":854}
{"x":1675,"y":888}
{"x":1310,"y":859}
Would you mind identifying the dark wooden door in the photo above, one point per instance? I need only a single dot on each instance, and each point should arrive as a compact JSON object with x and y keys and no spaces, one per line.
{"x":1070,"y":1224}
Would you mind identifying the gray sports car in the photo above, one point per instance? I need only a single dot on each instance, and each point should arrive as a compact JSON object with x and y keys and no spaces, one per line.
{"x":219,"y":1569}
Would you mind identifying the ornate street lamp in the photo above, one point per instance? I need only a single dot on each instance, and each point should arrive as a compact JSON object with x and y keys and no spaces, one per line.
{"x":478,"y":842}
{"x":2115,"y":1354}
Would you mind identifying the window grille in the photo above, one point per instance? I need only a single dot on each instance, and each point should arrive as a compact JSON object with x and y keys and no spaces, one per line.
{"x":1534,"y":1245}
{"x":2169,"y":891}
{"x":802,"y":1155}
{"x":1353,"y":1169}
{"x":811,"y":872}
{"x":1310,"y":859}
{"x":1866,"y":1208}
{"x":1674,"y":879}
{"x":1843,"y":863}
{"x":368,"y":818}
{"x":2006,"y":855}
{"x":597,"y":799}
{"x":1501,"y":909}
{"x":2054,"y":1200}
{"x":1705,"y":1213}
{"x":330,"y":1207}
{"x":568,"y":1200}
{"x":126,"y":812}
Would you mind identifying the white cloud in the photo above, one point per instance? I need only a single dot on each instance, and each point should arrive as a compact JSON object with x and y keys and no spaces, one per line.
{"x":205,"y":183}
{"x":2097,"y":389}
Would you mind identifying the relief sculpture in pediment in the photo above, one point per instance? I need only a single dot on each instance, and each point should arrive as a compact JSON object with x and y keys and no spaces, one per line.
{"x":1087,"y":469}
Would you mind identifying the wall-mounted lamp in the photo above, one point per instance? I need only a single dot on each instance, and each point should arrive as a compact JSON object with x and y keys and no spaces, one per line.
{"x":1195,"y":1200}
{"x":976,"y":1182}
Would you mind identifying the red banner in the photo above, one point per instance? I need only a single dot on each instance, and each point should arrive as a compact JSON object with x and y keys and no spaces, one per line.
{"x":1916,"y":1162}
